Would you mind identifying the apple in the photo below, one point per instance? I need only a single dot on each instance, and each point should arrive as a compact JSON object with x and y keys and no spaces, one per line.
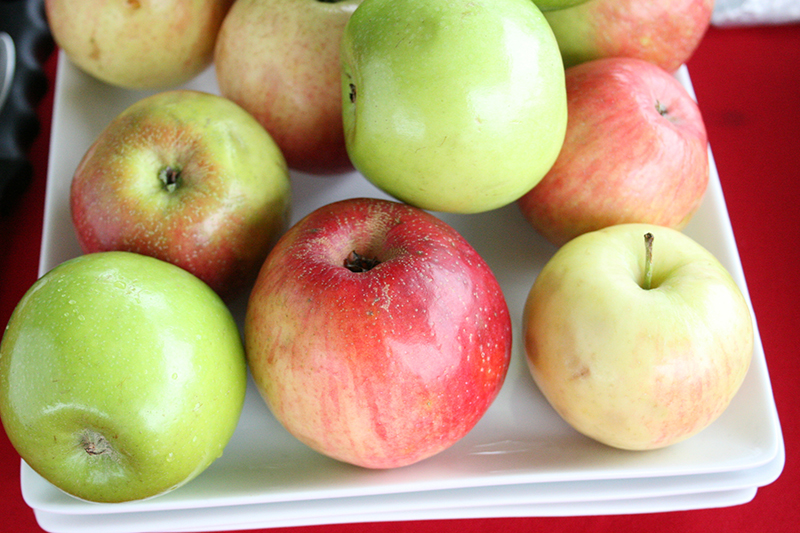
{"x":376,"y":334}
{"x":122,"y":377}
{"x":187,"y":177}
{"x":279,"y":60}
{"x":138,"y":44}
{"x":549,"y":5}
{"x":452,"y":106}
{"x":637,"y":336}
{"x":664,"y":32}
{"x":635,"y":151}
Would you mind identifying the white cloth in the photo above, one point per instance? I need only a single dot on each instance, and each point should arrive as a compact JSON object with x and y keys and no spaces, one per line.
{"x":753,"y":12}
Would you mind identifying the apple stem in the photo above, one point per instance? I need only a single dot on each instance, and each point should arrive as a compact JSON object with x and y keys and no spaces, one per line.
{"x":170,"y":177}
{"x":648,"y":260}
{"x":661,"y":108}
{"x":355,"y":262}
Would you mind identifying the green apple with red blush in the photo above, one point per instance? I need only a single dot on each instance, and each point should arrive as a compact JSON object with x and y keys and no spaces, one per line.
{"x":376,"y":334}
{"x":138,"y":44}
{"x":279,"y":60}
{"x":663,"y":32}
{"x":187,"y":177}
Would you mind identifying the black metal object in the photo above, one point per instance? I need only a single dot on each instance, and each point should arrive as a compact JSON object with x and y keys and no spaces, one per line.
{"x":25,"y":22}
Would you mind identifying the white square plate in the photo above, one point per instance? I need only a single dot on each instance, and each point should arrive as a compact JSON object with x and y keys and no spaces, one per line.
{"x":569,"y":498}
{"x":259,"y":518}
{"x":520,"y":441}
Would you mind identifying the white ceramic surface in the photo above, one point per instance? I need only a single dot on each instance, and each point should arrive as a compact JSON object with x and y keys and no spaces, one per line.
{"x":521,"y":441}
{"x":259,"y":519}
{"x":570,"y":498}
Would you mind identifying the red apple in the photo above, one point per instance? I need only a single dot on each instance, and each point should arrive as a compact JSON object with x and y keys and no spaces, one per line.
{"x":189,"y":178}
{"x":279,"y":60}
{"x":664,"y":32}
{"x":635,"y":151}
{"x":376,"y":334}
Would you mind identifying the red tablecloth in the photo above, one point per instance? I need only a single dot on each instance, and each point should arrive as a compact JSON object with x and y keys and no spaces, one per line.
{"x":747,"y":82}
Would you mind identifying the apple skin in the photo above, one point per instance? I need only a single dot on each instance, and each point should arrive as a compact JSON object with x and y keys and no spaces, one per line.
{"x":452,"y":106}
{"x":132,"y":354}
{"x":381,"y":368}
{"x":141,"y":44}
{"x":550,"y":5}
{"x":635,"y":150}
{"x":231,"y":202}
{"x":279,"y":60}
{"x":664,"y":32}
{"x":629,"y":367}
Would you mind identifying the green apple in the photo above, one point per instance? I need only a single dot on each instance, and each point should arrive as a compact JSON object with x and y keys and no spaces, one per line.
{"x":122,"y":376}
{"x":455,"y":106}
{"x":637,"y":336}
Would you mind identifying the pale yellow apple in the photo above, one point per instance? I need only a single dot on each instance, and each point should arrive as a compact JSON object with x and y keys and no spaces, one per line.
{"x":138,"y":44}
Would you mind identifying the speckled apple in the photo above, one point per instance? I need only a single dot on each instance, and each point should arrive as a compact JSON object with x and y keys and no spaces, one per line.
{"x":664,"y":32}
{"x":279,"y":60}
{"x":187,"y":177}
{"x":376,"y":334}
{"x":122,"y":377}
{"x":138,"y":44}
{"x":636,"y":150}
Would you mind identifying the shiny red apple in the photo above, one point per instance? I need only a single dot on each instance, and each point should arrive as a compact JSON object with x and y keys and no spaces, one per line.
{"x":376,"y":334}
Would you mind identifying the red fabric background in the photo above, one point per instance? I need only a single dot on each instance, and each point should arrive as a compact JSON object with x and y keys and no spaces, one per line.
{"x":747,"y":82}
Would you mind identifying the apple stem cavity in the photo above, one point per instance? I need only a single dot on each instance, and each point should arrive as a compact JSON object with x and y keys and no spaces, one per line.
{"x":648,"y":261}
{"x":170,"y":177}
{"x":661,"y":108}
{"x":356,"y":262}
